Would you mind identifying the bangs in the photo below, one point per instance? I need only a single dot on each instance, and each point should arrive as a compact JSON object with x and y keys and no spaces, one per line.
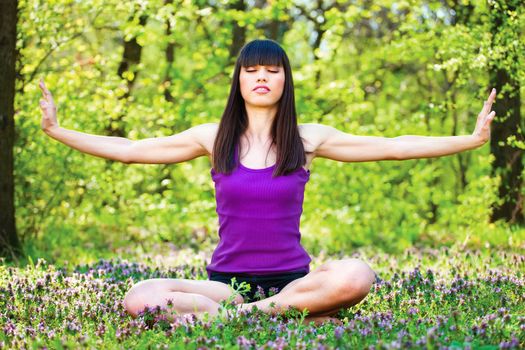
{"x":262,"y":52}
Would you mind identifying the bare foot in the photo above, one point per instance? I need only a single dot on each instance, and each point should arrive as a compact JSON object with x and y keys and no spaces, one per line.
{"x":198,"y":307}
{"x":319,"y":320}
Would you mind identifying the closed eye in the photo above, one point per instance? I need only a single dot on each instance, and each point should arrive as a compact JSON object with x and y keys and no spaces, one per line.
{"x":254,"y":70}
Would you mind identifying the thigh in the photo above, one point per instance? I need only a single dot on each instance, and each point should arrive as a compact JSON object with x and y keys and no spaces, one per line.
{"x":214,"y":290}
{"x":307,"y":279}
{"x":342,"y":275}
{"x":343,"y":269}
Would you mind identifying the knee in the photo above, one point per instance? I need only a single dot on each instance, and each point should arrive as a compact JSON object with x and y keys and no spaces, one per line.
{"x":358,"y":278}
{"x":134,"y":299}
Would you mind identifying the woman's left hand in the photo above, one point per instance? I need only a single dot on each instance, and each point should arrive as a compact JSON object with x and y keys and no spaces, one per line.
{"x":485,"y":117}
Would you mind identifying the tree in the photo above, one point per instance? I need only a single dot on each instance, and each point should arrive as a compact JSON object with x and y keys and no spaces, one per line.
{"x":9,"y":243}
{"x":506,"y":133}
{"x":129,"y":63}
{"x":238,"y":32}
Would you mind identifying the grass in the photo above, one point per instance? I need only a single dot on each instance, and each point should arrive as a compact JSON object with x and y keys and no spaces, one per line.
{"x":424,"y":298}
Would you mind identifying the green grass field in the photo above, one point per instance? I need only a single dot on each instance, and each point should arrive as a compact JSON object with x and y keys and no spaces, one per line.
{"x":428,"y":299}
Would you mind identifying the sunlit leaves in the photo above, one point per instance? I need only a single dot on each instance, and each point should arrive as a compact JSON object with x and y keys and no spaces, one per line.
{"x":384,"y":68}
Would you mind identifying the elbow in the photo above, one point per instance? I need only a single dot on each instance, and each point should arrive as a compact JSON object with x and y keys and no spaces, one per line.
{"x":127,"y":161}
{"x":398,"y":156}
{"x":126,"y":154}
{"x":397,"y":152}
{"x":125,"y":158}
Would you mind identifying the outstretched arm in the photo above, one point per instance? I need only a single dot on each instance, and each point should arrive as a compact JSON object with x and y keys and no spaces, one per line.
{"x":344,"y":147}
{"x":177,"y":148}
{"x":428,"y":146}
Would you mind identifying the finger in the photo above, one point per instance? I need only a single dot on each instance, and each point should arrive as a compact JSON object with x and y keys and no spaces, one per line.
{"x":487,"y":105}
{"x":489,"y":119}
{"x":44,"y":104}
{"x":42,"y":86}
{"x":45,"y":91}
{"x":493,"y":94}
{"x":484,"y":110}
{"x":490,"y":100}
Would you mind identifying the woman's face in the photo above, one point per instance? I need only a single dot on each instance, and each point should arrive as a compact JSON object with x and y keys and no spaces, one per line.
{"x":262,"y":86}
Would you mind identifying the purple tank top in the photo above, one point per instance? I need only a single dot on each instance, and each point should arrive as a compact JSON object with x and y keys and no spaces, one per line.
{"x":259,"y":221}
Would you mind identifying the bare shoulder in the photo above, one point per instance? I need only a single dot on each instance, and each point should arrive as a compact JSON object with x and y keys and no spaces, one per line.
{"x":205,"y":134}
{"x":314,"y":135}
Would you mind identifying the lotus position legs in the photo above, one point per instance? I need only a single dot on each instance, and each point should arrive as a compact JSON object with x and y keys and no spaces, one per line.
{"x":324,"y":291}
{"x":334,"y":285}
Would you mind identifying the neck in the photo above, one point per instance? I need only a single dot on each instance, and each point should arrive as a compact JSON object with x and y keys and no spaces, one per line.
{"x":260,"y":121}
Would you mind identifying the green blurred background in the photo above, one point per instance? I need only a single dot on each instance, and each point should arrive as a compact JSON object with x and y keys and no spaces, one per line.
{"x":142,"y":69}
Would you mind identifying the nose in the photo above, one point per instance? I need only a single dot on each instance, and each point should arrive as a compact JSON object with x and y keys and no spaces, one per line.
{"x":261,"y":76}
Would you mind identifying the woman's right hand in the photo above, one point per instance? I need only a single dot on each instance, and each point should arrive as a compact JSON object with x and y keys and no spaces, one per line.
{"x":49,"y":109}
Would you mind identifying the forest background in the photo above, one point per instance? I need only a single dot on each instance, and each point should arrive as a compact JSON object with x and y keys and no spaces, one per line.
{"x":141,"y":69}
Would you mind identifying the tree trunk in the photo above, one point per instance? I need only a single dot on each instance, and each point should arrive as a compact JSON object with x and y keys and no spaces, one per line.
{"x":131,"y":55}
{"x":170,"y":58}
{"x":508,"y":163}
{"x":130,"y":59}
{"x":9,"y":243}
{"x":273,"y":28}
{"x":238,"y":32}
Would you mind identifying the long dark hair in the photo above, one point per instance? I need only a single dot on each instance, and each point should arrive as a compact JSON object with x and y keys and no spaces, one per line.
{"x":234,"y":122}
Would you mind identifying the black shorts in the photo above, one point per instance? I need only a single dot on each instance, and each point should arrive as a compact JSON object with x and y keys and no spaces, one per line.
{"x":268,"y":283}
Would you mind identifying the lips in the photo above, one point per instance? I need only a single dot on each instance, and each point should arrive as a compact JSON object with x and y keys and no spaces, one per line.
{"x":261,"y":88}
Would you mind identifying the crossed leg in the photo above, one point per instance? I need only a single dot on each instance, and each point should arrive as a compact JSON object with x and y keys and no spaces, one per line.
{"x":178,"y":296}
{"x":334,"y":285}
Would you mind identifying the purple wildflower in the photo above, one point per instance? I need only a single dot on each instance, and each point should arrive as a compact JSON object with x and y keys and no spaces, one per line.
{"x":365,"y":331}
{"x":412,"y":311}
{"x":338,"y":332}
{"x":273,"y":291}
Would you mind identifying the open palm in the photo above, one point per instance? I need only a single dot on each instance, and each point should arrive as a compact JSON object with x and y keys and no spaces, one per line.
{"x":48,"y":108}
{"x":485,"y":117}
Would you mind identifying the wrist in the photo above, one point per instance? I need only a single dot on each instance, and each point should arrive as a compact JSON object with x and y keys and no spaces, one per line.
{"x":476,"y":140}
{"x":51,"y":130}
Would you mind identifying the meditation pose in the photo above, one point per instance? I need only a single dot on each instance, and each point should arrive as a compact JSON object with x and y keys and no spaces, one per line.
{"x":261,"y":160}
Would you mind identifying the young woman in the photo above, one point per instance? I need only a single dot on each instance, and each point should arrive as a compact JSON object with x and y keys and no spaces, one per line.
{"x":260,"y":165}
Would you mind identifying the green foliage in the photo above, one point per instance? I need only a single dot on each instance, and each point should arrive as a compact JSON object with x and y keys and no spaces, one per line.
{"x":383,"y":68}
